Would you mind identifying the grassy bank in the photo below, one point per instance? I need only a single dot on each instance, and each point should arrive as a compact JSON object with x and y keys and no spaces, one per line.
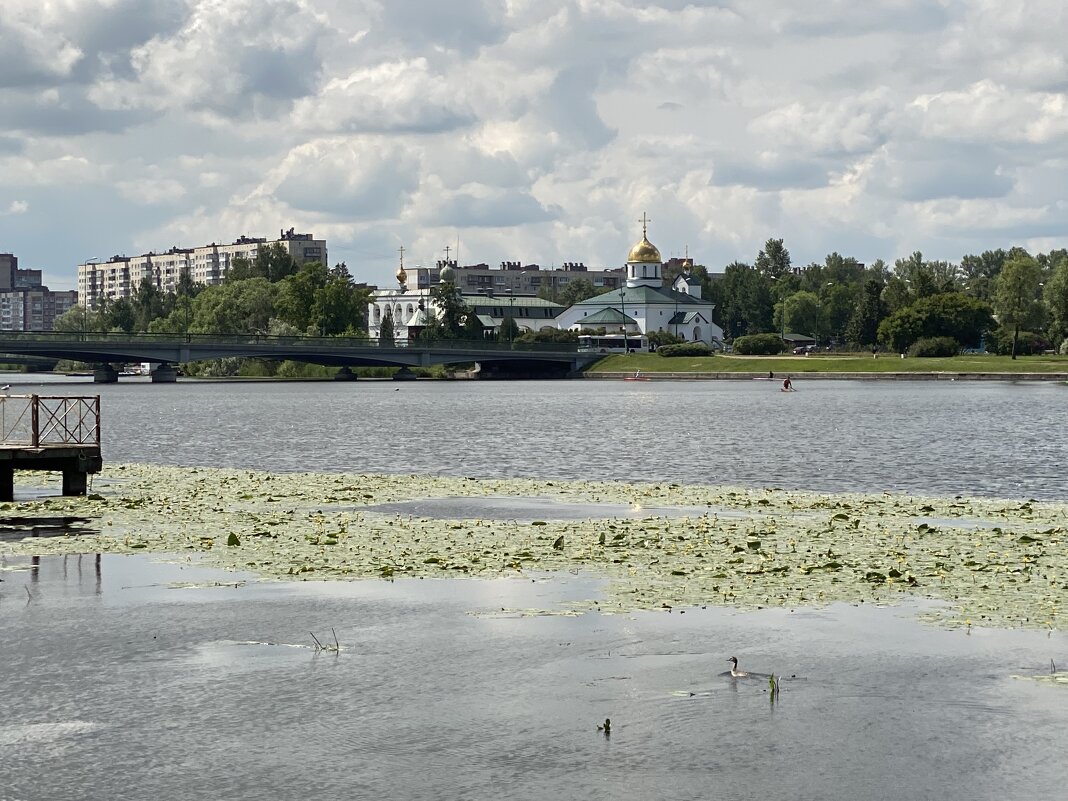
{"x":793,"y":365}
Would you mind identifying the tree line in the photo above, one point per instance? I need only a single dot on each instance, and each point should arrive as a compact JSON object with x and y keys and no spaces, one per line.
{"x":271,"y":294}
{"x":1005,"y":300}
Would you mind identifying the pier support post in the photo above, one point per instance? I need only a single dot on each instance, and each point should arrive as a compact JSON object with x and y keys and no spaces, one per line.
{"x":7,"y":483}
{"x":164,"y":374}
{"x":105,"y":374}
{"x":74,"y":482}
{"x":344,"y":374}
{"x":404,"y":374}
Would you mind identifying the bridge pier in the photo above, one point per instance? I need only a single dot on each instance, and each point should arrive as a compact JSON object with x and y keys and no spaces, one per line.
{"x":164,"y":374}
{"x":105,"y":374}
{"x":344,"y":374}
{"x":404,"y":374}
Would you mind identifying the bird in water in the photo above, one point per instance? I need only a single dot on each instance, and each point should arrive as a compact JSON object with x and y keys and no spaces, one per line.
{"x":734,"y":668}
{"x":606,"y":727}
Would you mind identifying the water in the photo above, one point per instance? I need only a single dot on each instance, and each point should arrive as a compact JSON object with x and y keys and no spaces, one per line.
{"x":939,"y":438}
{"x":115,"y":685}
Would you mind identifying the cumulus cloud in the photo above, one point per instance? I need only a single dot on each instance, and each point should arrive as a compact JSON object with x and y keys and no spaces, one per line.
{"x":986,"y":110}
{"x":399,"y":97}
{"x":537,"y":131}
{"x":15,"y":207}
{"x":360,"y":179}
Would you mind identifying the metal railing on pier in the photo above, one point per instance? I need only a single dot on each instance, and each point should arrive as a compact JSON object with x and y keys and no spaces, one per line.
{"x":43,"y":420}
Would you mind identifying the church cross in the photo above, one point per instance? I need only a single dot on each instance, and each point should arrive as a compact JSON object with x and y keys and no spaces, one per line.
{"x":401,"y":249}
{"x":446,"y":254}
{"x":645,"y":223}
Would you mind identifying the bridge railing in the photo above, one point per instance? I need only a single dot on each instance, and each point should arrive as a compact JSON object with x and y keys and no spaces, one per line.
{"x":92,"y":338}
{"x":42,"y":420}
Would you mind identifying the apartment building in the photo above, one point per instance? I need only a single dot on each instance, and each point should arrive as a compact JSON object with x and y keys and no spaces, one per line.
{"x":516,"y":277}
{"x":25,"y":303}
{"x":119,"y":276}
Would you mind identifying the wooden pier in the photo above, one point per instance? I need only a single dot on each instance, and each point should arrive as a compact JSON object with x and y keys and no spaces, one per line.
{"x":55,"y":433}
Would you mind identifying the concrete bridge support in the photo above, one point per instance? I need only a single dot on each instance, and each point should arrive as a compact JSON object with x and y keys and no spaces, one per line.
{"x":164,"y":374}
{"x":345,"y":374}
{"x":105,"y":374}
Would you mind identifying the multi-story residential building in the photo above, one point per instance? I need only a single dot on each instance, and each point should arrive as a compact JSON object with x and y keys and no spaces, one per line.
{"x":516,"y":277}
{"x":25,"y":303}
{"x":120,"y":276}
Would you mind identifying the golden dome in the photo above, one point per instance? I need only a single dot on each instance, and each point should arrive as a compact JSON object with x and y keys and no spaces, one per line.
{"x":402,"y":277}
{"x":644,"y":252}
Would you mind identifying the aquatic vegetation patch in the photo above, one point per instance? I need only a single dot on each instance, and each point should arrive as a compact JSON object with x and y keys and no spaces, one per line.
{"x":993,"y":562}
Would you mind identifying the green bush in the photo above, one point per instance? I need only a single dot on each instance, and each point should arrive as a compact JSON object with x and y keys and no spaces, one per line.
{"x":934,"y":346}
{"x":661,"y":338}
{"x":759,"y":345}
{"x":1029,"y":343}
{"x":685,"y":349}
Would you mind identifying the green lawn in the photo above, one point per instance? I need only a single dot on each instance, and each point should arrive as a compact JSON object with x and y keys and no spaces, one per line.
{"x":791,"y":365}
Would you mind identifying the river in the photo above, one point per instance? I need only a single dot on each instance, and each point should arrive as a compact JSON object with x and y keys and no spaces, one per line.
{"x":118,"y":685}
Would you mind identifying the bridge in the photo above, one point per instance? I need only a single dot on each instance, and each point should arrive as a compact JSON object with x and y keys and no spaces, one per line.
{"x":166,"y":351}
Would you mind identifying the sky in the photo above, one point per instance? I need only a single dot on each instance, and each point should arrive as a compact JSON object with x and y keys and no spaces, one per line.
{"x":532,"y":130}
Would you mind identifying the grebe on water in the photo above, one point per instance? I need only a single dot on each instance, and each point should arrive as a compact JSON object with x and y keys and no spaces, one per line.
{"x":734,"y":668}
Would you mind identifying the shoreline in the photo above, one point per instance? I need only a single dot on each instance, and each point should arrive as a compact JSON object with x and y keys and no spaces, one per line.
{"x":829,"y":376}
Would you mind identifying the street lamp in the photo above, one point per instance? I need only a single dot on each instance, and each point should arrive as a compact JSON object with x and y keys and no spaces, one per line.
{"x":623,"y":322}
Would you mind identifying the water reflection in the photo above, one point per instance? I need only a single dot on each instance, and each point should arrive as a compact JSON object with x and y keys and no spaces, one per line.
{"x":428,"y":701}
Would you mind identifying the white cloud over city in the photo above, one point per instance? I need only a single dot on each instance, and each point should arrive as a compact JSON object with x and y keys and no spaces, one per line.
{"x":530,"y":130}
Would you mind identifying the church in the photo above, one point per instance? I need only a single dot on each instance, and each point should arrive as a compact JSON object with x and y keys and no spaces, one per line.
{"x":643,"y":304}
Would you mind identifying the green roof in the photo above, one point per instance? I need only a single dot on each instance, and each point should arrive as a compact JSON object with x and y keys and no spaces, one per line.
{"x":609,"y":316}
{"x":526,"y":301}
{"x":640,"y":296}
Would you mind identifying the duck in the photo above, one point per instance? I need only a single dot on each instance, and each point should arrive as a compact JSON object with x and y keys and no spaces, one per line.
{"x":606,"y":727}
{"x":734,"y":668}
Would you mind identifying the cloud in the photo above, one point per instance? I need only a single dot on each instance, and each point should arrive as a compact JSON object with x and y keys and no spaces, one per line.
{"x":397,"y":97}
{"x":233,"y":59}
{"x":15,"y":207}
{"x":369,"y":178}
{"x":534,"y":131}
{"x":855,"y":124}
{"x":31,"y":56}
{"x":986,"y":110}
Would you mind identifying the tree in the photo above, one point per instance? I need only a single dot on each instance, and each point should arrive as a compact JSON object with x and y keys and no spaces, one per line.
{"x":451,"y":309}
{"x":870,"y":310}
{"x":296,"y":297}
{"x":238,"y":307}
{"x":1016,"y":296}
{"x":980,"y":272}
{"x":508,"y":330}
{"x":742,"y":301}
{"x":951,"y":314}
{"x":774,"y":260}
{"x":119,"y":315}
{"x":1056,"y":297}
{"x":146,"y":304}
{"x":802,"y":313}
{"x":272,"y":262}
{"x":386,"y":331}
{"x":77,"y":320}
{"x":575,"y":291}
{"x":472,"y":327}
{"x":339,"y":308}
